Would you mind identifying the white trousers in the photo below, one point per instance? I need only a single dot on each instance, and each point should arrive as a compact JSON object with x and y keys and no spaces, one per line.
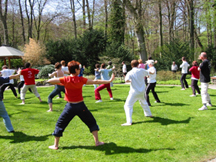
{"x":128,"y":107}
{"x":204,"y":93}
{"x":25,"y":88}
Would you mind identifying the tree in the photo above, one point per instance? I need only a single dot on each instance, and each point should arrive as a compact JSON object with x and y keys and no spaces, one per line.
{"x":3,"y":18}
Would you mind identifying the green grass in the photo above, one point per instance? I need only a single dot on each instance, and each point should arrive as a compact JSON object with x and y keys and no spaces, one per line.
{"x":178,"y":133}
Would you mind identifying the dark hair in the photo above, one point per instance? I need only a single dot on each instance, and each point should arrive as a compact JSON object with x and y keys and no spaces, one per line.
{"x":4,"y":66}
{"x":194,"y":63}
{"x":110,"y":63}
{"x":134,"y":63}
{"x":103,"y":65}
{"x":63,"y":62}
{"x":183,"y":58}
{"x":150,"y":58}
{"x":72,"y":65}
{"x":97,"y":65}
{"x":57,"y":65}
{"x":27,"y":65}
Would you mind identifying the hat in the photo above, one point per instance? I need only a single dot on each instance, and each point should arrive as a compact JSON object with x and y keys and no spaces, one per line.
{"x":150,"y":62}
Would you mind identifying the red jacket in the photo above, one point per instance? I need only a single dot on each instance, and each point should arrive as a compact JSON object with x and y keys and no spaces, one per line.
{"x":194,"y":72}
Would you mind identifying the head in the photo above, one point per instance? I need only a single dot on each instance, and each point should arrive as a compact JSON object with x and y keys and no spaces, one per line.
{"x":103,"y":65}
{"x":123,"y":62}
{"x":183,"y":59}
{"x":62,"y":62}
{"x":4,"y":67}
{"x":150,"y":58}
{"x":110,"y":63}
{"x":203,"y":56}
{"x":97,"y":65}
{"x":134,"y":63}
{"x":140,"y":61}
{"x":74,"y":67}
{"x":27,"y":65}
{"x":194,"y":63}
{"x":150,"y":63}
{"x":58,"y":65}
{"x":173,"y":62}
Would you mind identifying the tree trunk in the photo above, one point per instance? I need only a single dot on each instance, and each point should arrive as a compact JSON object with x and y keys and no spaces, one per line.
{"x":3,"y":18}
{"x":22,"y":22}
{"x":84,"y":16}
{"x":89,"y":15}
{"x":74,"y":17}
{"x":160,"y":25}
{"x":106,"y":18}
{"x":93,"y":10}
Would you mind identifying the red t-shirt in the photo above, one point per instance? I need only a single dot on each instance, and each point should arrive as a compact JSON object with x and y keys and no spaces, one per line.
{"x":73,"y":87}
{"x":195,"y":72}
{"x":29,"y":75}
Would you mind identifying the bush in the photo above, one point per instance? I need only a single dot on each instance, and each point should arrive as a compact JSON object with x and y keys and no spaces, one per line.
{"x":45,"y":71}
{"x":168,"y":75}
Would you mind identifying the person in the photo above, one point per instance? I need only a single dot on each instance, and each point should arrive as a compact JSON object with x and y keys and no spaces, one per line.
{"x":3,"y":111}
{"x":21,"y":83}
{"x":6,"y":73}
{"x":151,"y":82}
{"x":64,"y":68}
{"x":205,"y":68}
{"x":104,"y":76}
{"x":110,"y":73}
{"x":195,"y":75}
{"x":29,"y":78}
{"x":124,"y":69}
{"x":141,"y":65}
{"x":75,"y":104}
{"x":81,"y":70}
{"x":174,"y":67}
{"x":184,"y":72}
{"x":137,"y":89}
{"x":147,"y":67}
{"x":58,"y":88}
{"x":97,"y":74}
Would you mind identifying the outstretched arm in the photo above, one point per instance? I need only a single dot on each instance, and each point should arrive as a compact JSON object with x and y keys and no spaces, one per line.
{"x":14,"y":76}
{"x":101,"y":81}
{"x":54,"y":81}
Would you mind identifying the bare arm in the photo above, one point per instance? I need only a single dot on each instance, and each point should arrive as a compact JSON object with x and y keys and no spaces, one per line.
{"x":101,"y":81}
{"x":14,"y":76}
{"x":54,"y":81}
{"x":66,"y":72}
{"x":52,"y":75}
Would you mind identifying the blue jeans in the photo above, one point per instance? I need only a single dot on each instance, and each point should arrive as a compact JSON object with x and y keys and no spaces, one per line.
{"x":6,"y":118}
{"x":56,"y":91}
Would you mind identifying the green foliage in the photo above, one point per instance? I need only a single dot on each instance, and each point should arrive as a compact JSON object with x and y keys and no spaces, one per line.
{"x":15,"y":63}
{"x":45,"y":71}
{"x":168,"y":75}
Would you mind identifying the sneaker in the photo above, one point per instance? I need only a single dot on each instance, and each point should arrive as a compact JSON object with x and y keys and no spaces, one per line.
{"x":98,"y":101}
{"x":208,"y":104}
{"x":11,"y":131}
{"x":183,"y":89}
{"x":126,"y":124}
{"x":22,"y":103}
{"x":157,"y":101}
{"x":197,"y":93}
{"x":203,"y":108}
{"x":111,"y":98}
{"x":193,"y":95}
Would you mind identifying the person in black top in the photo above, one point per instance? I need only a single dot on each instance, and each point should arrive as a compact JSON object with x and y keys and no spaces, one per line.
{"x":3,"y":112}
{"x":204,"y":69}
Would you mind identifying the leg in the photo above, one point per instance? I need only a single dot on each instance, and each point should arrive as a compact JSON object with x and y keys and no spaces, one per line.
{"x":34,"y":90}
{"x":197,"y":87}
{"x":51,"y":96}
{"x":23,"y":92}
{"x":56,"y":143}
{"x":97,"y":94}
{"x":3,"y":89}
{"x":193,"y":82}
{"x":13,"y":89}
{"x":204,"y":93}
{"x":185,"y":81}
{"x":148,"y":88}
{"x":95,"y":135}
{"x":20,"y":85}
{"x":154,"y":93}
{"x":144,"y":105}
{"x":181,"y":80}
{"x":6,"y":118}
{"x":128,"y":107}
{"x":109,"y":90}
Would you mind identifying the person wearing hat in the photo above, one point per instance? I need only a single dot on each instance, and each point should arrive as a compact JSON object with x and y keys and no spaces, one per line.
{"x":151,"y":82}
{"x":137,"y":89}
{"x":6,"y":73}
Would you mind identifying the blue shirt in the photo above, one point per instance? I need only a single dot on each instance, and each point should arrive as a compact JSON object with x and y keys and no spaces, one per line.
{"x":81,"y":72}
{"x":2,"y":81}
{"x":105,"y":74}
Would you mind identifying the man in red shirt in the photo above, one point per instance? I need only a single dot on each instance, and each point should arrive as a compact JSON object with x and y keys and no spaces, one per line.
{"x":29,"y":77}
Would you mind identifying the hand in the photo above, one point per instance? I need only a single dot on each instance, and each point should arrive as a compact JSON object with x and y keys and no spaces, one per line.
{"x":49,"y":74}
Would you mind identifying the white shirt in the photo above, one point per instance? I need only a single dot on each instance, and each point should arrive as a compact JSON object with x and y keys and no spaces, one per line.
{"x":174,"y":67}
{"x":65,"y":68}
{"x":184,"y":67}
{"x":7,"y":73}
{"x":136,"y":76}
{"x":124,"y":68}
{"x":152,"y":77}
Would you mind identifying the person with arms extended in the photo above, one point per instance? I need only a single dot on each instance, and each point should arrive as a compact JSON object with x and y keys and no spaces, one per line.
{"x":137,"y":90}
{"x":75,"y":104}
{"x":205,"y":68}
{"x":29,"y":78}
{"x":184,"y":71}
{"x":195,"y":75}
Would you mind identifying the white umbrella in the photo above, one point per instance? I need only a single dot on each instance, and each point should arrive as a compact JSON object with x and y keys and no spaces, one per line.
{"x":7,"y":52}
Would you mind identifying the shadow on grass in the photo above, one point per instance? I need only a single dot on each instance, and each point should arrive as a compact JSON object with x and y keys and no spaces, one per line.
{"x":22,"y":137}
{"x":112,"y":148}
{"x":175,"y":104}
{"x":162,"y":91}
{"x":165,"y":121}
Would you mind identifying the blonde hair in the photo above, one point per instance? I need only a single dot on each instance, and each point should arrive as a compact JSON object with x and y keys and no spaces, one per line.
{"x":140,"y":60}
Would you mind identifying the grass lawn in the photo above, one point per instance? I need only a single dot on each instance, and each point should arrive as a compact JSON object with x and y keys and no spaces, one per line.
{"x":178,"y":133}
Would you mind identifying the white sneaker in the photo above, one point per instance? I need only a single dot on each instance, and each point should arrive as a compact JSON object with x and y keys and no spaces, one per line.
{"x":203,"y":108}
{"x":183,"y":89}
{"x":126,"y":124}
{"x":193,"y":95}
{"x":22,"y":103}
{"x":197,"y":93}
{"x":111,"y":98}
{"x":98,"y":101}
{"x":208,"y":104}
